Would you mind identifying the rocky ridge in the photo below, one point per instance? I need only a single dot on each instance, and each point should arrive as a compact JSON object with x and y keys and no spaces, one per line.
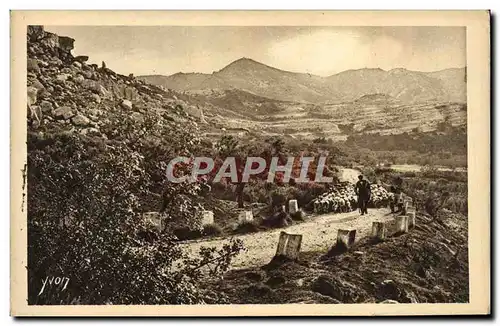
{"x":65,"y":94}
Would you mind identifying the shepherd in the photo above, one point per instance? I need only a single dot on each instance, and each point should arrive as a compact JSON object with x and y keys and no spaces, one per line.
{"x":363,"y":192}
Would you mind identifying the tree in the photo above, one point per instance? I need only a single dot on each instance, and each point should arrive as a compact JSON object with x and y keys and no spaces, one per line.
{"x":85,"y":221}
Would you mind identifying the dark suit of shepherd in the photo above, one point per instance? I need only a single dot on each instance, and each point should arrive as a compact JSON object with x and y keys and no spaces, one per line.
{"x":363,"y":191}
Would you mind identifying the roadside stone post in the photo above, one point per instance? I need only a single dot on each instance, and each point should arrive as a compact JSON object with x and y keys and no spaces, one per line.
{"x":346,"y":238}
{"x":405,"y":207}
{"x":289,"y":245}
{"x":154,"y":219}
{"x":379,"y":230}
{"x":316,"y":207}
{"x":293,"y":206}
{"x":245,"y":216}
{"x":411,"y":219}
{"x":207,"y":217}
{"x":402,"y":224}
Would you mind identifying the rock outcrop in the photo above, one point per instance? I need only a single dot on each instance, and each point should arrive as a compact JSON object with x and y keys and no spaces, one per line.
{"x":65,"y":93}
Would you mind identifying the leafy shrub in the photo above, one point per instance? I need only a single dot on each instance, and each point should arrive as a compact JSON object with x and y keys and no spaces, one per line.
{"x":186,"y":233}
{"x":84,"y":223}
{"x":298,"y":216}
{"x":247,"y":227}
{"x":212,"y":230}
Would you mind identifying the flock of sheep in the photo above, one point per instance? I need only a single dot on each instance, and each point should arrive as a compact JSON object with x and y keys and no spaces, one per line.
{"x":342,"y":199}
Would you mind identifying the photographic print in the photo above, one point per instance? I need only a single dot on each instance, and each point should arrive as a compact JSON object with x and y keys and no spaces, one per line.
{"x":246,"y":163}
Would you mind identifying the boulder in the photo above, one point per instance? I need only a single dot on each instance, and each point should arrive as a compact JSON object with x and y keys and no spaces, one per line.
{"x":42,"y":63}
{"x":32,"y":92}
{"x":81,"y":58}
{"x":37,"y":84}
{"x":94,"y":86}
{"x":62,"y":77}
{"x":78,"y":79}
{"x":66,"y":70}
{"x":89,"y":131}
{"x":51,"y":41}
{"x":126,"y":104}
{"x":64,"y":112}
{"x":102,"y":91}
{"x":66,"y":43}
{"x":77,"y":64}
{"x":32,"y":66}
{"x":46,"y":107}
{"x":35,"y":32}
{"x":55,"y":62}
{"x":96,"y":98}
{"x":137,"y":117}
{"x":87,"y":74}
{"x":80,"y":120}
{"x":35,"y":113}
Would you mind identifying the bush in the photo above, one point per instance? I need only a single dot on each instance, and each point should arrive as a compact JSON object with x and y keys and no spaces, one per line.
{"x":298,"y":216}
{"x":83,"y":224}
{"x":212,"y":230}
{"x":247,"y":227}
{"x":186,"y":233}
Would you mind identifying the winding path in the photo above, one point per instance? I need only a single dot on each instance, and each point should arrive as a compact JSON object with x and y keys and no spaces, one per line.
{"x":318,"y":233}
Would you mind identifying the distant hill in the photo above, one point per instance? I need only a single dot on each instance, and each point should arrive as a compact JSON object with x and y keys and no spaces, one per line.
{"x":260,"y":79}
{"x":375,"y":99}
{"x":254,"y":77}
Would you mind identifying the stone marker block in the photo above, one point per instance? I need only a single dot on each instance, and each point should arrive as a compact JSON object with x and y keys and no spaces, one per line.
{"x":402,"y":224}
{"x":346,"y":238}
{"x":289,"y":245}
{"x":317,"y":207}
{"x":293,"y":206}
{"x":411,"y":219}
{"x":154,"y":218}
{"x":405,"y":207}
{"x":379,"y":230}
{"x":207,"y":217}
{"x":282,"y":242}
{"x":245,"y":216}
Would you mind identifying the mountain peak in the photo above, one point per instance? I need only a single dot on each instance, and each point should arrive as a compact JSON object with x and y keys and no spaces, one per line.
{"x":245,"y":63}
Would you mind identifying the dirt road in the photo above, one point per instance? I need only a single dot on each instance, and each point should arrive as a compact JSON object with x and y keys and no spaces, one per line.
{"x":319,"y":234}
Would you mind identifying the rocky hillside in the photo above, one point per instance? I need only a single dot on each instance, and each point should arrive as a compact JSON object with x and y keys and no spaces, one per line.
{"x":65,"y":94}
{"x":260,"y":79}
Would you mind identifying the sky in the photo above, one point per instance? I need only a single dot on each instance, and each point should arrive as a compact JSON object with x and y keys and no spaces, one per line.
{"x":324,"y":51}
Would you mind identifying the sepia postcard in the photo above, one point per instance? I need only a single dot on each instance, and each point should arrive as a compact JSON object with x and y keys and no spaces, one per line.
{"x":250,"y":163}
